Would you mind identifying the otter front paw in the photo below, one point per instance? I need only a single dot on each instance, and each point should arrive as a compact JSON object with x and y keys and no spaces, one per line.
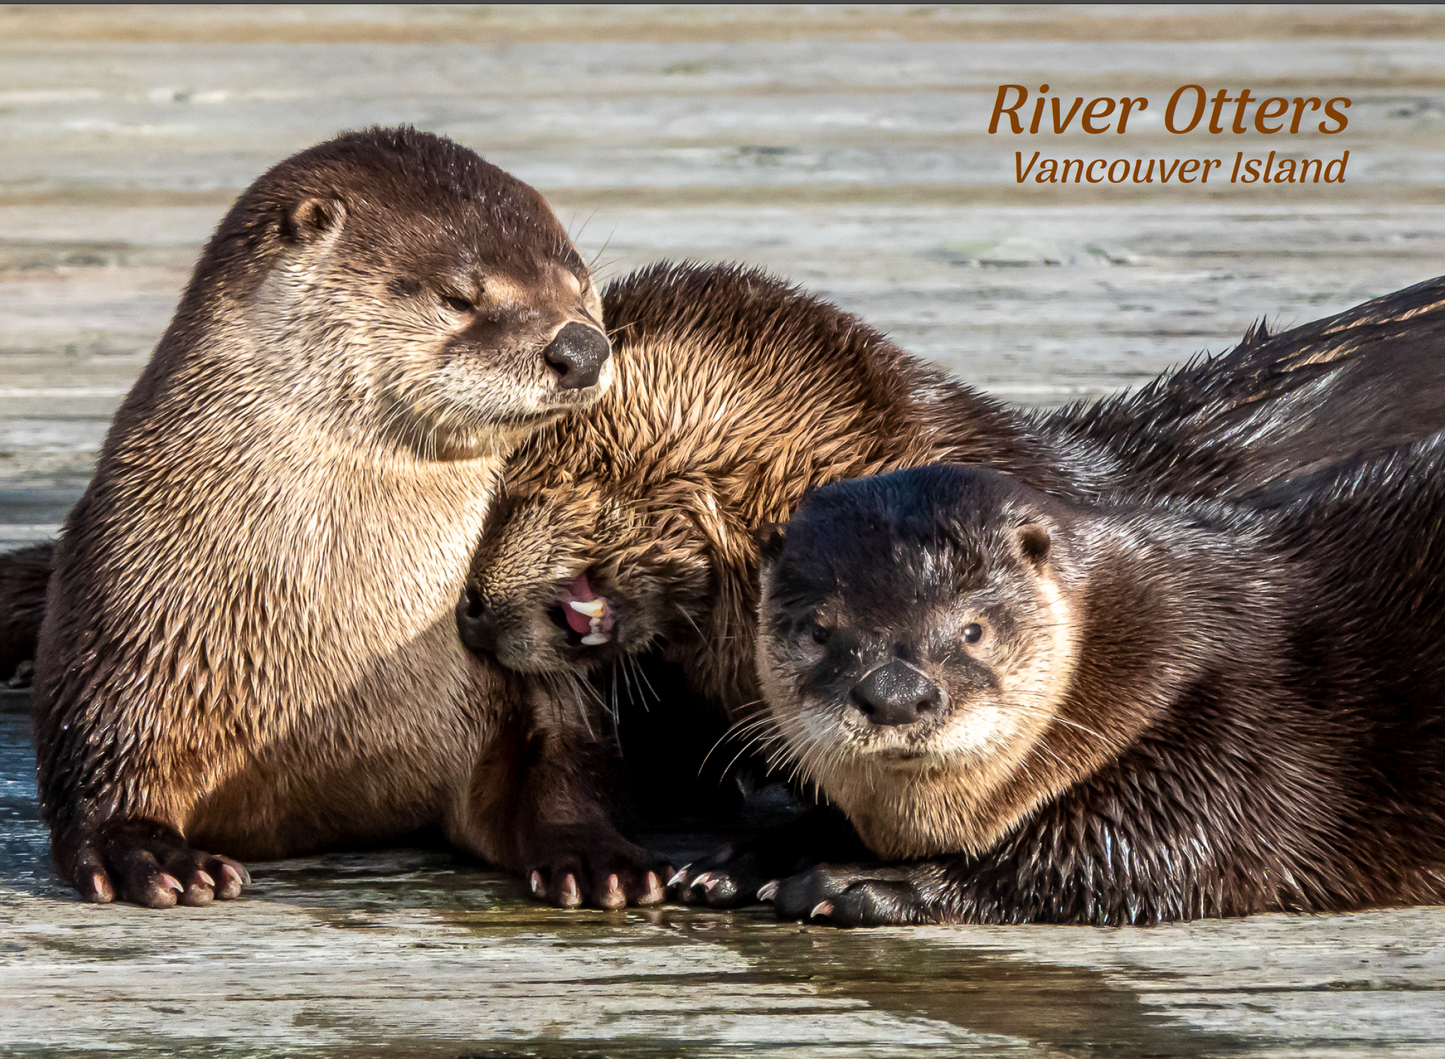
{"x":151,"y":864}
{"x":727,"y":878}
{"x":851,"y":896}
{"x":608,"y":876}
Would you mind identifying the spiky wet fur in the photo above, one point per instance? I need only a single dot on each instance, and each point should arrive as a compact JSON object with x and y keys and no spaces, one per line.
{"x":737,"y":393}
{"x":249,"y":633}
{"x":1249,"y":720}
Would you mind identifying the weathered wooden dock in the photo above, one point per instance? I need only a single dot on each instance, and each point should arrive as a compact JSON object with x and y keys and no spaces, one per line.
{"x":847,"y":149}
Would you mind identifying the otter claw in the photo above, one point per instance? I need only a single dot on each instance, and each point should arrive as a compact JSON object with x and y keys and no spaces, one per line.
{"x":571,"y":893}
{"x":680,"y":877}
{"x":233,"y":877}
{"x":170,"y":882}
{"x":822,"y":908}
{"x":768,"y":891}
{"x":536,"y":882}
{"x":203,"y":876}
{"x":614,"y":898}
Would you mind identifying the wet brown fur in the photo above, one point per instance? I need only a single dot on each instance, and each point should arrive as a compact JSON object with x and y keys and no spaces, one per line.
{"x":737,"y":393}
{"x":1244,"y":715}
{"x":249,"y":644}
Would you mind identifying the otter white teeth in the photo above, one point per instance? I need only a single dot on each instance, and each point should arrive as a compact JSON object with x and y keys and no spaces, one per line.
{"x":593,"y":639}
{"x":593,"y":608}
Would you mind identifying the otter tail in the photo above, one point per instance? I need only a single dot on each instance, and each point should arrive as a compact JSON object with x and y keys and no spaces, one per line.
{"x":24,"y":574}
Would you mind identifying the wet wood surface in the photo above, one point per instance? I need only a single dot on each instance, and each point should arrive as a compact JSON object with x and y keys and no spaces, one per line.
{"x":846,"y":149}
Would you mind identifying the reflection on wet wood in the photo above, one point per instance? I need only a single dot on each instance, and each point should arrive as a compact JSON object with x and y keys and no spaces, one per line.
{"x":845,"y":149}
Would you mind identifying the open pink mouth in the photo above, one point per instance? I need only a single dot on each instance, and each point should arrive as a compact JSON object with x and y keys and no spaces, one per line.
{"x":586,"y":613}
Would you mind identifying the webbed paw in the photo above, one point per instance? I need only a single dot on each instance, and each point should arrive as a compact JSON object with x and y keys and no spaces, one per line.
{"x":599,"y":875}
{"x":151,"y":864}
{"x":727,"y":878}
{"x":850,"y":896}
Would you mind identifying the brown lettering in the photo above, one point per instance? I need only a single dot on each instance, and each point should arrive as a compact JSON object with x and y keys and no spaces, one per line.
{"x":999,"y":110}
{"x":1341,"y":162}
{"x":1174,"y":102}
{"x":1220,"y":98}
{"x":1092,"y":111}
{"x":1125,"y":105}
{"x":1334,"y":112}
{"x":1078,"y":102}
{"x":1244,"y":100}
{"x":1299,"y":110}
{"x":1268,"y":110}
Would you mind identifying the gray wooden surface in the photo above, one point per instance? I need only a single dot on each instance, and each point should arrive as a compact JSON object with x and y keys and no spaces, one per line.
{"x":845,"y":148}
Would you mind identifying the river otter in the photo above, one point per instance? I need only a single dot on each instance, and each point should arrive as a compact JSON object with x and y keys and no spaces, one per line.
{"x":648,"y":535}
{"x":249,"y":644}
{"x":1114,"y":713}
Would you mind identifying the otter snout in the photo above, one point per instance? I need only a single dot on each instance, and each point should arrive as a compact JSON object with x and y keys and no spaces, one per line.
{"x":476,"y":622}
{"x":577,"y":355}
{"x":895,"y":694}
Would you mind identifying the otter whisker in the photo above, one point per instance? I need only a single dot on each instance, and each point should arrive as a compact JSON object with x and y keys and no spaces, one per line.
{"x":743,"y":729}
{"x":626,"y":678}
{"x":706,"y":642}
{"x":641,"y":672}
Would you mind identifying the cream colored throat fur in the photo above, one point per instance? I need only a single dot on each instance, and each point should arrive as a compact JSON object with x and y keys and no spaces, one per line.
{"x":297,"y":592}
{"x":965,"y":792}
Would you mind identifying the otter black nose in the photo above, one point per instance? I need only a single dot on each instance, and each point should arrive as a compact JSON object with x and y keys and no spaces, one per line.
{"x":895,"y":693}
{"x":474,"y":622}
{"x":577,"y":355}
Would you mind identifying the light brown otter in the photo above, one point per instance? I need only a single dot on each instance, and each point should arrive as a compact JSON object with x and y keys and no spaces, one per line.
{"x":249,"y":644}
{"x":1123,"y":712}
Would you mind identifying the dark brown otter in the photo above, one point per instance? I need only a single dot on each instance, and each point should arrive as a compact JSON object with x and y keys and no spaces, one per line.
{"x":1114,"y":713}
{"x":249,"y":644}
{"x":737,"y":393}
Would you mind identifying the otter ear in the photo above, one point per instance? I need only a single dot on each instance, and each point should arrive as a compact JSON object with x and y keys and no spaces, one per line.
{"x":310,"y":219}
{"x":1033,"y":542}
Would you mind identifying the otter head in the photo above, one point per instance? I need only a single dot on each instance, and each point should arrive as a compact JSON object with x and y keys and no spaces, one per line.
{"x":917,"y":642}
{"x":576,"y":574}
{"x":400,"y":284}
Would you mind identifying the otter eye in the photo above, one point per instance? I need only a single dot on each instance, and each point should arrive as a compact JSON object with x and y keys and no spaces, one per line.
{"x":972,"y":632}
{"x":819,"y":633}
{"x":458,"y":305}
